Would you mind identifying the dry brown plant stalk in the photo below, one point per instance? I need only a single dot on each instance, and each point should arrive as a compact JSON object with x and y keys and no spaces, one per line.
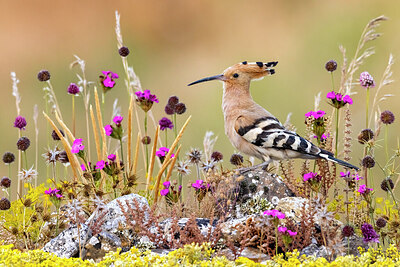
{"x":96,"y":134}
{"x":135,"y":161}
{"x":72,"y":159}
{"x":129,"y":148}
{"x":158,"y":178}
{"x":152,"y":159}
{"x":100,"y":121}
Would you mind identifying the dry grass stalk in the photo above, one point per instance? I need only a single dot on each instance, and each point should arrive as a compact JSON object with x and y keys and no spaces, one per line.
{"x":120,"y":178}
{"x":347,"y":135}
{"x":152,"y":159}
{"x":96,"y":134}
{"x":65,"y":128}
{"x":100,"y":121}
{"x":171,"y":168}
{"x":158,"y":178}
{"x":72,"y":159}
{"x":135,"y":161}
{"x":129,"y":148}
{"x":17,"y":96}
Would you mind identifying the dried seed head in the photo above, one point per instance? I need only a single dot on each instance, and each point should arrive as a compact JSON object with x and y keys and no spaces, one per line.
{"x":180,"y":108}
{"x":62,"y":225}
{"x":365,"y":135}
{"x":46,"y":217}
{"x":169,"y":110}
{"x":39,"y":209}
{"x":23,"y":143}
{"x":173,"y":100}
{"x":5,"y":182}
{"x":331,"y":65}
{"x":14,"y":230}
{"x":194,"y":156}
{"x":368,"y":162}
{"x":146,"y":140}
{"x":8,"y":158}
{"x":27,"y":202}
{"x":125,"y":192}
{"x":34,"y":218}
{"x":63,"y":157}
{"x":123,"y":51}
{"x":43,"y":75}
{"x":387,"y":185}
{"x":236,"y":159}
{"x":217,"y":156}
{"x":395,"y":224}
{"x":347,"y":231}
{"x":381,"y":222}
{"x":387,"y":117}
{"x":5,"y":204}
{"x":55,"y":136}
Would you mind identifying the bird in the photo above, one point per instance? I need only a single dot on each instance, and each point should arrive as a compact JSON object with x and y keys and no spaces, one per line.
{"x":252,"y":129}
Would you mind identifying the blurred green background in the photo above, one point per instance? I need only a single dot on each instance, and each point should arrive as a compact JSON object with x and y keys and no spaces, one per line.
{"x":176,"y":42}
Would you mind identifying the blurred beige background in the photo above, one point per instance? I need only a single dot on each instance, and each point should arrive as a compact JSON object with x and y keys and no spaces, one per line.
{"x":175,"y":42}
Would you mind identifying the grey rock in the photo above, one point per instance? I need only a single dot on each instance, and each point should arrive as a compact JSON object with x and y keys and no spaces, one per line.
{"x":316,"y":251}
{"x":352,"y":244}
{"x":253,"y":254}
{"x":98,"y":246}
{"x":66,"y":244}
{"x":229,"y":230}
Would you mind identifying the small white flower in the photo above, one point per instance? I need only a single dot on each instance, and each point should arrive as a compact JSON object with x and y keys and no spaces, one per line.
{"x":27,"y":175}
{"x":275,"y":200}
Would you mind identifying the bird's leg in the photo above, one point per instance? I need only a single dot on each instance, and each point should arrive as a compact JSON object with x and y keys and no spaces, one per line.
{"x":263,"y":165}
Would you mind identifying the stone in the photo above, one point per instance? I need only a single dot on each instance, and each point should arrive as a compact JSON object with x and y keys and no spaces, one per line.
{"x":229,"y":230}
{"x":262,"y":184}
{"x":316,"y":251}
{"x":66,"y":244}
{"x":253,"y":254}
{"x":203,"y":224}
{"x":355,"y":242}
{"x":98,"y":246}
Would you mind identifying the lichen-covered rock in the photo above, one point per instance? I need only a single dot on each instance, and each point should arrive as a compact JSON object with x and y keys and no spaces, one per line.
{"x":66,"y":244}
{"x":98,"y":246}
{"x":253,"y":254}
{"x":229,"y":228}
{"x":202,"y":223}
{"x":262,"y":184}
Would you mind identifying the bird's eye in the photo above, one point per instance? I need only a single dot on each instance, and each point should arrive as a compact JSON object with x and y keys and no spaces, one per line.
{"x":235,"y":75}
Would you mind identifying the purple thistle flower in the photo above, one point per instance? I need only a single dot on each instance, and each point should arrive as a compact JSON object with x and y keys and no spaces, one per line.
{"x":77,"y":146}
{"x":109,"y":130}
{"x":167,"y":184}
{"x":117,"y":120}
{"x":100,"y":165}
{"x":20,"y":123}
{"x":73,"y":89}
{"x":112,"y":157}
{"x":164,"y":192}
{"x":369,"y":233}
{"x":165,"y":123}
{"x":366,"y":80}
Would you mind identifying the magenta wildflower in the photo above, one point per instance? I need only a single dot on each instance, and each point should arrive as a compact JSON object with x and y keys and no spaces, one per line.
{"x":338,"y":100}
{"x":77,"y":146}
{"x":73,"y":89}
{"x":108,"y":78}
{"x":308,"y":176}
{"x":162,"y":152}
{"x":275,"y":213}
{"x":331,"y":95}
{"x":145,"y":99}
{"x":83,"y":167}
{"x":369,"y":233}
{"x":363,"y":189}
{"x":316,"y":114}
{"x":117,"y":120}
{"x":167,"y":184}
{"x":53,"y":193}
{"x":165,"y":123}
{"x":291,"y":233}
{"x":199,"y":184}
{"x":100,"y":165}
{"x":109,"y":130}
{"x":20,"y":122}
{"x":366,"y":80}
{"x":345,"y":174}
{"x":282,"y":229}
{"x":112,"y":157}
{"x":164,"y":192}
{"x":347,"y":99}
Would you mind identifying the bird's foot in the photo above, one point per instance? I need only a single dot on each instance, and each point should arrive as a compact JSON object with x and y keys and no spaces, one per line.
{"x":263,"y":165}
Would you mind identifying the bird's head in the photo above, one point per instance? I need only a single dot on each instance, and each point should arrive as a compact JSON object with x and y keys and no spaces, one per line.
{"x":243,"y":73}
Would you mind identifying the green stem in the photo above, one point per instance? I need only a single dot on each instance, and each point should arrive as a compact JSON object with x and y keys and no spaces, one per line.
{"x":367,"y":109}
{"x":166,"y":138}
{"x":386,"y":143}
{"x":122,"y":151}
{"x":145,"y":134}
{"x":333,"y":87}
{"x":73,"y":115}
{"x":26,"y":160}
{"x":276,"y":240}
{"x":337,"y":132}
{"x":57,"y":224}
{"x":175,"y":126}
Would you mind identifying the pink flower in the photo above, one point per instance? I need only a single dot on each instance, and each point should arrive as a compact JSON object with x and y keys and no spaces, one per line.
{"x":117,"y":120}
{"x":275,"y":213}
{"x":339,"y":97}
{"x":357,"y":177}
{"x":309,"y":114}
{"x":292,"y":233}
{"x":319,"y":114}
{"x":112,"y":157}
{"x":366,"y":80}
{"x":108,"y":129}
{"x":198,"y":184}
{"x":331,"y":95}
{"x":345,"y":174}
{"x":77,"y":146}
{"x":109,"y":77}
{"x":167,"y":184}
{"x":83,"y":167}
{"x":162,"y":152}
{"x":347,"y":99}
{"x":280,"y":215}
{"x":308,"y":176}
{"x":100,"y":165}
{"x":164,"y":192}
{"x":282,"y":229}
{"x":363,"y":189}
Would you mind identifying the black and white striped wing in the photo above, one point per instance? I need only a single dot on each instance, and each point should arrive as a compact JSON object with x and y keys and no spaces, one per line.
{"x":268,"y":132}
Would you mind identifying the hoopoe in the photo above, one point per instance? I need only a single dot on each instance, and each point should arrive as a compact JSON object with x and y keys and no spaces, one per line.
{"x":252,"y":129}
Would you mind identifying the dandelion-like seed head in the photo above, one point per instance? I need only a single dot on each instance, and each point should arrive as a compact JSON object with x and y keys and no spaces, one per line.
{"x":387,"y":117}
{"x":194,"y":156}
{"x":182,"y":167}
{"x":52,"y":155}
{"x":27,"y":175}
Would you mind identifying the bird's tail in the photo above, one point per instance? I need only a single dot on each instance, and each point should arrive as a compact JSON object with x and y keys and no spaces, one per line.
{"x":329,"y":156}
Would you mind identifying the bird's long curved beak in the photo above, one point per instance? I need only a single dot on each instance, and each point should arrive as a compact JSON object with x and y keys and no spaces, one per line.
{"x":216,"y":77}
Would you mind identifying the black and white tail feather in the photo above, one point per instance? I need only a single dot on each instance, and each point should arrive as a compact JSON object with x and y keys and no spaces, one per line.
{"x":274,"y":142}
